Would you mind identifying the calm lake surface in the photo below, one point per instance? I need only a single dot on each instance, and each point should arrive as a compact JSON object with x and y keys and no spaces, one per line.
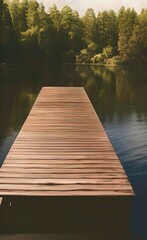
{"x":119,"y":96}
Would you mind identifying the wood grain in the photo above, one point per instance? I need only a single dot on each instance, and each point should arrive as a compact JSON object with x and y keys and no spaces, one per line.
{"x":63,"y":150}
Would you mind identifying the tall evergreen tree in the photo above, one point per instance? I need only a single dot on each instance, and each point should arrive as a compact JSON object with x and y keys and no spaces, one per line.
{"x":55,"y":17}
{"x":45,"y":34}
{"x":6,"y":32}
{"x":15,"y":13}
{"x":73,"y":28}
{"x":107,"y":29}
{"x":32,"y":14}
{"x":90,"y":25}
{"x":23,"y":15}
{"x":127,"y":21}
{"x":19,"y":14}
{"x":43,"y":17}
{"x":138,"y":40}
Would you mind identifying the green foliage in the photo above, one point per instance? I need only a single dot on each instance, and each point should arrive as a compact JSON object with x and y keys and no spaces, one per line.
{"x":32,"y":14}
{"x":23,"y":15}
{"x":18,"y":12}
{"x":116,"y":60}
{"x":86,"y":54}
{"x":107,"y":51}
{"x":6,"y":26}
{"x":99,"y":58}
{"x":107,"y":25}
{"x":73,"y":26}
{"x":15,"y":13}
{"x":92,"y":48}
{"x":83,"y":57}
{"x":90,"y":26}
{"x":55,"y":16}
{"x":127,"y":22}
{"x":30,"y":33}
{"x":138,"y":41}
{"x":7,"y":34}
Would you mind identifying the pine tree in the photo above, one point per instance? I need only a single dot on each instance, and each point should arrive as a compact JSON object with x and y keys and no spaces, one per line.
{"x":23,"y":15}
{"x":127,"y":21}
{"x":138,"y":40}
{"x":107,"y":30}
{"x":73,"y":28}
{"x":32,"y":14}
{"x":90,"y":25}
{"x":6,"y":32}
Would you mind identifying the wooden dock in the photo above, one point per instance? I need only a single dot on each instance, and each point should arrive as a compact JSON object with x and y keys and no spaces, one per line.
{"x":63,"y":150}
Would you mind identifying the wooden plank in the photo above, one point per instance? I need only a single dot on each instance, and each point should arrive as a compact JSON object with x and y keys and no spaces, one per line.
{"x":59,"y":165}
{"x":64,"y":175}
{"x":54,"y":181}
{"x":66,"y":193}
{"x":65,"y":187}
{"x":63,"y":150}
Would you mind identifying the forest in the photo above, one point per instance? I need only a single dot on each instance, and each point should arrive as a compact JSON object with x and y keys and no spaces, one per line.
{"x":30,"y":34}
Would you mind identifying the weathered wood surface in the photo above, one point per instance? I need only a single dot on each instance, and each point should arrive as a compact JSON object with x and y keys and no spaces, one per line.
{"x":63,"y":150}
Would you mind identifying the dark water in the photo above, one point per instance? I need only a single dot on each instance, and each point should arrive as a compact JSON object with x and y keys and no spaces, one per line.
{"x":119,"y":96}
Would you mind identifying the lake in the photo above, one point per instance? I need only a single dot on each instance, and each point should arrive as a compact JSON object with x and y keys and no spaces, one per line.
{"x":119,"y":96}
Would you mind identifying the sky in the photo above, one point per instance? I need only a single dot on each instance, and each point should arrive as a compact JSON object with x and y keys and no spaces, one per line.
{"x":98,"y":5}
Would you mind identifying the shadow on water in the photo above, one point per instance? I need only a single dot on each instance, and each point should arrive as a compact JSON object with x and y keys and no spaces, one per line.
{"x":105,"y":217}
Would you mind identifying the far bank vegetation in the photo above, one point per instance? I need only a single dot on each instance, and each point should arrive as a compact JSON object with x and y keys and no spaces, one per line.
{"x":28,"y":33}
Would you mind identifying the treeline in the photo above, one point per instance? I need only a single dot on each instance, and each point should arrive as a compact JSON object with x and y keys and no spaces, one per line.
{"x":30,"y":34}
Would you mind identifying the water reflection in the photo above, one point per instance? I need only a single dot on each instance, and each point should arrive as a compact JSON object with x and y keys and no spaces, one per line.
{"x":118,"y":96}
{"x":116,"y":92}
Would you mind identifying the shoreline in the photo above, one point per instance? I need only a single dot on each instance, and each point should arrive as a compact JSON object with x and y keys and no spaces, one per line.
{"x":74,"y":64}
